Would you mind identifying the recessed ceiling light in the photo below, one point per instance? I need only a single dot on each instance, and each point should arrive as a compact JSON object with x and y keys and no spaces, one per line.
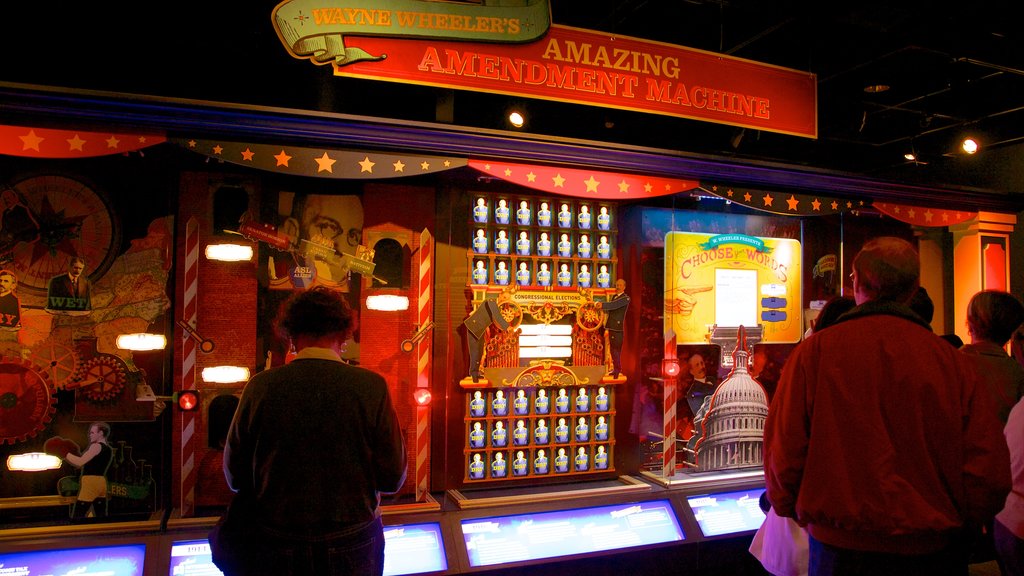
{"x":876,"y":88}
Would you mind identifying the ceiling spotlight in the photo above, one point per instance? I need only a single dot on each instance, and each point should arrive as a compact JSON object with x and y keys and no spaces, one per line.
{"x":516,"y":118}
{"x":970,"y":145}
{"x":910,"y":156}
{"x":876,"y":88}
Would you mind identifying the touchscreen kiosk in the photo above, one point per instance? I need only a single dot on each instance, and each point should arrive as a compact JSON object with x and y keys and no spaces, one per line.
{"x":127,"y":560}
{"x":414,"y":549}
{"x":192,"y":557}
{"x":501,"y":539}
{"x":727,"y":512}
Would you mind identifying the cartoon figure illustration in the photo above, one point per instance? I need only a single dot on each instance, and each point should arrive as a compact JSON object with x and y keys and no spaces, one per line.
{"x":615,"y":315}
{"x":501,"y":242}
{"x":523,"y":244}
{"x":499,"y":406}
{"x":540,"y":463}
{"x":544,"y":275}
{"x":480,"y":272}
{"x":562,"y":432}
{"x":499,"y":436}
{"x":604,"y":249}
{"x":480,"y":241}
{"x":523,"y":214}
{"x":541,"y":404}
{"x":584,"y":216}
{"x":523,"y":274}
{"x":10,"y":304}
{"x":561,"y":461}
{"x":501,"y":274}
{"x":582,"y":460}
{"x":519,"y":464}
{"x":520,"y":435}
{"x":601,"y":459}
{"x":601,"y":429}
{"x":601,"y":400}
{"x":476,"y":467}
{"x":540,"y":433}
{"x":521,"y":405}
{"x":583,"y":248}
{"x":562,"y":402}
{"x":564,"y":276}
{"x":544,"y":215}
{"x":476,"y":436}
{"x":498,"y":466}
{"x":480,"y":211}
{"x":582,"y":430}
{"x":564,"y":246}
{"x":544,"y":245}
{"x":582,"y":400}
{"x":70,"y":293}
{"x":604,"y":279}
{"x":604,"y":220}
{"x":476,"y":405}
{"x":564,"y":216}
{"x":94,"y":463}
{"x":501,"y":213}
{"x":583,"y":278}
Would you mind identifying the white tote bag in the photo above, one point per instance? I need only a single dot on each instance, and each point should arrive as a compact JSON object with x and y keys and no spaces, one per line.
{"x":781,"y":546}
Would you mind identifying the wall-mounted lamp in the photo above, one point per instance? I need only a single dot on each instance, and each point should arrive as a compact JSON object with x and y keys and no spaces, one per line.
{"x":141,"y":342}
{"x":387,"y":302}
{"x":421,"y":396}
{"x":225,"y":374}
{"x":33,"y":462}
{"x":229,"y":252}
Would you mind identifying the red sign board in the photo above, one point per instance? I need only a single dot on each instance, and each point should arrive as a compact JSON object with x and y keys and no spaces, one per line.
{"x":587,"y":67}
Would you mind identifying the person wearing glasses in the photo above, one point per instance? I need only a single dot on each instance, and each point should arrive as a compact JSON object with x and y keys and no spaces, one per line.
{"x":321,"y":228}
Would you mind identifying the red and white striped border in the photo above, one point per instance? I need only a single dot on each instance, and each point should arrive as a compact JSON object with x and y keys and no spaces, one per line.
{"x":423,"y":366}
{"x":188,"y":369}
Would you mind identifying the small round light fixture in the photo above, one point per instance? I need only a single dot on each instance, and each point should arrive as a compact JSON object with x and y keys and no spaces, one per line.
{"x":422,"y":396}
{"x":970,"y":145}
{"x":516,"y":118}
{"x":910,"y":156}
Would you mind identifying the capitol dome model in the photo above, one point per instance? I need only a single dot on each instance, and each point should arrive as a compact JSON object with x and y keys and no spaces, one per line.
{"x":733,"y":430}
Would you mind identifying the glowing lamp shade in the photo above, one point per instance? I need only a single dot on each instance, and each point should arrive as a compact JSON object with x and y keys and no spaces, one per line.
{"x":387,"y":302}
{"x":32,"y":462}
{"x":229,"y":252}
{"x":970,"y":145}
{"x":225,"y":374}
{"x":141,"y":342}
{"x":421,"y":396}
{"x":670,"y":367}
{"x":516,"y":118}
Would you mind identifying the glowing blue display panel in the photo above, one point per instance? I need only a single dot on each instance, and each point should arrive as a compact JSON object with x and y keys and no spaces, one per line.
{"x":502,"y":539}
{"x":727,"y":512}
{"x":128,"y":560}
{"x":414,"y":549}
{"x":192,"y":558}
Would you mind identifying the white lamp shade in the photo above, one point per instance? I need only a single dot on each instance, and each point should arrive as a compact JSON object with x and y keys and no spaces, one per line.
{"x":141,"y":341}
{"x":225,"y":374}
{"x":229,"y":252}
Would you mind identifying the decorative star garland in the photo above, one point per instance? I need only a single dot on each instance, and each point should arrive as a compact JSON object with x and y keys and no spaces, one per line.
{"x":34,"y":142}
{"x":583,"y":183}
{"x":787,"y":203}
{"x":322,"y":162}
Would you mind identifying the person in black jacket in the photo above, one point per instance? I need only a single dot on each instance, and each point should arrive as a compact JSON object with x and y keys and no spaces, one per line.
{"x":313,"y":445}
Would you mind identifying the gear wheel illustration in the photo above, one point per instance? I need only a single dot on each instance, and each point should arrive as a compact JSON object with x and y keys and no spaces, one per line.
{"x":60,"y":362}
{"x":27,"y":400}
{"x":102,"y":379}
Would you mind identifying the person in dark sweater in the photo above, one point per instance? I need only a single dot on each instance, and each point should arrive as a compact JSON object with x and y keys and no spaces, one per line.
{"x":315,"y":443}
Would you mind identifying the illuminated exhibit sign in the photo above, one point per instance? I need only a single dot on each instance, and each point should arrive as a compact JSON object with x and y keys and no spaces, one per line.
{"x":191,"y":557}
{"x":128,"y":560}
{"x":727,"y":512}
{"x":732,"y":280}
{"x":598,"y":69}
{"x":503,"y":539}
{"x":414,"y":549}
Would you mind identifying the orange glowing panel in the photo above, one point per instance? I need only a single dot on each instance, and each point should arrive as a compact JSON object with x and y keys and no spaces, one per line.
{"x":994,"y":258}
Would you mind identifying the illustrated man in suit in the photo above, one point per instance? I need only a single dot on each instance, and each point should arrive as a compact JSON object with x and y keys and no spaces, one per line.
{"x":615,"y":317}
{"x":476,"y":326}
{"x":71,"y":291}
{"x":10,"y":305}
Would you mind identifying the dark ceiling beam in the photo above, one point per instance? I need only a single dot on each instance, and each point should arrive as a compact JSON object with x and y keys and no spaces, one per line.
{"x":47,"y":106}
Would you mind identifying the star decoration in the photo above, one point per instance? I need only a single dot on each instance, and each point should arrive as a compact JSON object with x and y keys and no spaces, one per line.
{"x":399,"y":166}
{"x":592,"y":184}
{"x":113,"y":142}
{"x":531,"y":177}
{"x":648,"y":187}
{"x":366,"y":165}
{"x":247,"y":155}
{"x":31,"y":141}
{"x":325,"y":163}
{"x":768,"y":199}
{"x":928,"y":215}
{"x":447,"y":163}
{"x":218,"y":150}
{"x":792,"y":202}
{"x":282,"y":158}
{"x":624,"y":187}
{"x":945,"y":217}
{"x":730,"y":193}
{"x":747,"y":197}
{"x":816,"y":204}
{"x":60,"y":231}
{"x":487,"y":167}
{"x":507,"y":172}
{"x":76,"y":143}
{"x":192,"y":143}
{"x":142,"y":139}
{"x":911,"y":213}
{"x":558,"y":180}
{"x":835,"y":205}
{"x":424,"y":165}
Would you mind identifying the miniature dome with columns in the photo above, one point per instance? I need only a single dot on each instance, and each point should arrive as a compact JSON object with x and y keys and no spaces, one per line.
{"x":733,"y":431}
